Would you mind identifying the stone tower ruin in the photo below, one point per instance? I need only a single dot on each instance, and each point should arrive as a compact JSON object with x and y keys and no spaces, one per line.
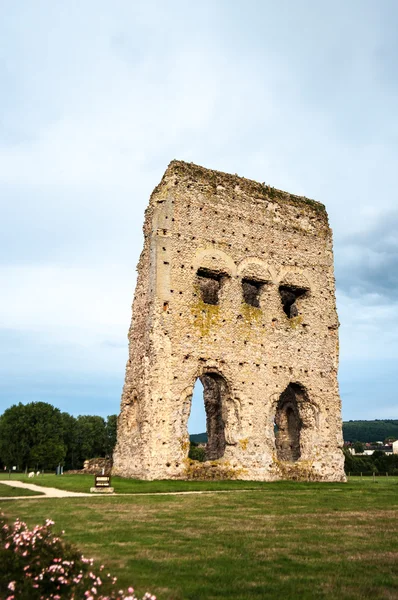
{"x":235,"y":287}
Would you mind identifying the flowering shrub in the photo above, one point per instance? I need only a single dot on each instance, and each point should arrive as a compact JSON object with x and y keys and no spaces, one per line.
{"x":36,"y":564}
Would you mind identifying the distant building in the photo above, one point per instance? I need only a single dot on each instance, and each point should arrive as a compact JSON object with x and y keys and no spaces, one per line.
{"x":368,"y":451}
{"x":395,"y":447}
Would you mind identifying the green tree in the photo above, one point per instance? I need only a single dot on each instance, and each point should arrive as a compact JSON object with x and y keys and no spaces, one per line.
{"x":44,"y":424}
{"x":14,"y":437}
{"x":91,"y":438}
{"x":381,"y":460}
{"x":359,"y":447}
{"x":196,"y":453}
{"x":69,"y":437}
{"x":31,"y":436}
{"x":111,"y":433}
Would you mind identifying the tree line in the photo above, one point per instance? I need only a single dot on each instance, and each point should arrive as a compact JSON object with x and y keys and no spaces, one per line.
{"x":379,"y":462}
{"x":370,"y":431}
{"x":362,"y":431}
{"x":39,"y":436}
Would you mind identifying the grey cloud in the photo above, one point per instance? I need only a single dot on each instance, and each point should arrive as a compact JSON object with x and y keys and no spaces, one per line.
{"x":367,"y":262}
{"x":97,"y":100}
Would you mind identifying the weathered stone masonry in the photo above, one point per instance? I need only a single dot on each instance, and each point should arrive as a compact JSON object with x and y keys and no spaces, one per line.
{"x":236,"y":287}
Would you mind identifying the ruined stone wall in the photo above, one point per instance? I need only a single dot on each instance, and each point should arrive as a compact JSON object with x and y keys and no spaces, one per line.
{"x":236,"y":287}
{"x":95,"y":466}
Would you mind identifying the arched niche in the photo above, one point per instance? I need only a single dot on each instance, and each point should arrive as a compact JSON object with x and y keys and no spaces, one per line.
{"x":216,"y":394}
{"x":294,"y":277}
{"x":212,"y":259}
{"x":289,"y":422}
{"x":251,"y":266}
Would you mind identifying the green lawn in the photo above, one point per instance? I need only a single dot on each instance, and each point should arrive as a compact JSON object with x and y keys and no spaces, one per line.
{"x":7,"y":491}
{"x":285,"y":539}
{"x":82,"y":483}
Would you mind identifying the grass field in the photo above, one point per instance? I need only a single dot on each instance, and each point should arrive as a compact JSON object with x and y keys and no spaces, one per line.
{"x":7,"y":491}
{"x":82,"y":483}
{"x":285,"y":539}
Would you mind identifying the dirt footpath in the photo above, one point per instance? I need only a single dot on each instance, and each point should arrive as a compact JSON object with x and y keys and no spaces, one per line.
{"x":46,"y":492}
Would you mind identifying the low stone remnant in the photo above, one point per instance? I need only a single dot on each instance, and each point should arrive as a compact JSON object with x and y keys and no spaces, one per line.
{"x":97,"y":465}
{"x":235,"y":288}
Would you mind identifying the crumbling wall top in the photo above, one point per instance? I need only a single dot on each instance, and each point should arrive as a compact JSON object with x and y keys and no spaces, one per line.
{"x":213,"y":181}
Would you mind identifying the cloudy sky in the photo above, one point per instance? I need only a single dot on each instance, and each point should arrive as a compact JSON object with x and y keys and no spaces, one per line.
{"x":97,"y":97}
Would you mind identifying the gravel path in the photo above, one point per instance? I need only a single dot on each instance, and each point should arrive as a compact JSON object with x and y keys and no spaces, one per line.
{"x":48,"y":492}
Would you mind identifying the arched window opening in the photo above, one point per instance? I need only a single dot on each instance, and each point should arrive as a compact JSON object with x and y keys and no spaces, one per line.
{"x":210,"y":284}
{"x":197,"y":424}
{"x":289,"y":294}
{"x":210,"y":392}
{"x":288,"y":423}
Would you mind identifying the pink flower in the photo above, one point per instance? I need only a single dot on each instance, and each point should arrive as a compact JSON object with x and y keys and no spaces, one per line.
{"x":63,"y":573}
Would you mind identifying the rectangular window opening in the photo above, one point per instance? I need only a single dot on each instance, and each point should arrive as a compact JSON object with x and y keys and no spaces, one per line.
{"x":252,"y":291}
{"x":289,"y":295}
{"x":210,"y":285}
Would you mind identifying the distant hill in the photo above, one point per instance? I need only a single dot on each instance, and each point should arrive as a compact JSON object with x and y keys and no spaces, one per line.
{"x":353,"y":431}
{"x":370,"y":431}
{"x":198,"y":438}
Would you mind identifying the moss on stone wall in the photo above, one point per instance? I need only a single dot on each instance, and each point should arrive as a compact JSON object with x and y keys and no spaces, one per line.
{"x":211,"y":469}
{"x":243,"y":443}
{"x":302,"y":470}
{"x":250,"y":314}
{"x":206,"y":316}
{"x":294,"y":322}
